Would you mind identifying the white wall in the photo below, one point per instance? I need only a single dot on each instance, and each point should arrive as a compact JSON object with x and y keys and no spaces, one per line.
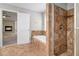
{"x":38,"y":7}
{"x":36,"y":21}
{"x":77,"y":30}
{"x":77,"y":42}
{"x":44,"y":21}
{"x":23,"y":28}
{"x":77,"y":15}
{"x":1,"y":28}
{"x":36,"y":17}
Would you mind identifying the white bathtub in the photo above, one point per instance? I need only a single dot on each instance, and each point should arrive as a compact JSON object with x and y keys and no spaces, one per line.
{"x":41,"y":38}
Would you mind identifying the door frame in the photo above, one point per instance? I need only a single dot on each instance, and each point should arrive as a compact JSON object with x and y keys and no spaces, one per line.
{"x":3,"y":9}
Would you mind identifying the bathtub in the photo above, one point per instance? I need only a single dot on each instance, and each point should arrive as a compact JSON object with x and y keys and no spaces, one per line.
{"x":41,"y":38}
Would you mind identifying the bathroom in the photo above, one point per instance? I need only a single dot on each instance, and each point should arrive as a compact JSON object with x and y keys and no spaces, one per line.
{"x":49,"y":29}
{"x":14,"y":27}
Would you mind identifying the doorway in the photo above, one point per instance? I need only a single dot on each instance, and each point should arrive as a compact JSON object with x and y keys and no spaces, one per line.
{"x":9,"y":27}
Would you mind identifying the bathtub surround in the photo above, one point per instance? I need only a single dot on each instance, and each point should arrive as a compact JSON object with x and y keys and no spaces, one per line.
{"x":38,"y":33}
{"x":60,"y":30}
{"x":41,"y":38}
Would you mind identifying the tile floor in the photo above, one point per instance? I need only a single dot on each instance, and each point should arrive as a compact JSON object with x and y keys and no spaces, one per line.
{"x":35,"y":48}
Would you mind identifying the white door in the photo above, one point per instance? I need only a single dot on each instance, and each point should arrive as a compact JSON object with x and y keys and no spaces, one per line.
{"x":23,"y":28}
{"x":1,"y":28}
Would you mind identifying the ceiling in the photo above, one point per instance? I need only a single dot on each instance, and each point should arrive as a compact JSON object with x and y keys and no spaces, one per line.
{"x":65,"y":6}
{"x":38,"y":7}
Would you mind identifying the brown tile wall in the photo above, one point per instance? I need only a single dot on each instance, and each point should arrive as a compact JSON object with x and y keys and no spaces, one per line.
{"x":63,"y":43}
{"x":50,"y":26}
{"x":60,"y":30}
{"x":70,"y":32}
{"x":38,"y":33}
